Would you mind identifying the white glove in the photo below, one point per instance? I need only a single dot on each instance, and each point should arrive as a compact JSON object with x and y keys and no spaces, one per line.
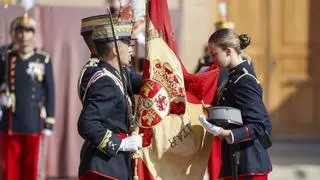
{"x":47,"y":132}
{"x":131,"y":143}
{"x":211,"y":128}
{"x":5,"y":101}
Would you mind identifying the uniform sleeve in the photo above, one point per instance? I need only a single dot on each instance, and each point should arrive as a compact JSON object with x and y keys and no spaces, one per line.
{"x":2,"y":69}
{"x":2,"y":66}
{"x":49,"y":103}
{"x":100,"y":101}
{"x":248,"y":98}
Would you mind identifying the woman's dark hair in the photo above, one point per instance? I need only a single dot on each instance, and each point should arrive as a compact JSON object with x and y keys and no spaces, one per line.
{"x":227,"y":38}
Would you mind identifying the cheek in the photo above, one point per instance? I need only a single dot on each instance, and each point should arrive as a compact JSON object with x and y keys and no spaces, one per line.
{"x":221,"y":60}
{"x":124,"y":53}
{"x":30,"y":36}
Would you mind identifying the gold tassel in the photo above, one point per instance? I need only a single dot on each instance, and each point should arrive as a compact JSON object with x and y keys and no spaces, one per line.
{"x":13,"y":98}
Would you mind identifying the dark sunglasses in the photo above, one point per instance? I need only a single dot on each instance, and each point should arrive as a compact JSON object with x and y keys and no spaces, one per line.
{"x":128,"y":41}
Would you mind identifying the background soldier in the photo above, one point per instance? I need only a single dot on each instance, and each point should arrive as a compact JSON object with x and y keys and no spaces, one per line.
{"x":87,"y":26}
{"x":27,"y":98}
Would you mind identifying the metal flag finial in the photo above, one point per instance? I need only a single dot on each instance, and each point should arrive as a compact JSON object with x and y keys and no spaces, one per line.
{"x":223,"y":22}
{"x":223,"y":10}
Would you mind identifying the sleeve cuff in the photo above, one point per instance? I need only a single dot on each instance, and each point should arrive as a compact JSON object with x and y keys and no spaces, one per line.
{"x":50,"y":120}
{"x":230,"y":139}
{"x":241,"y":134}
{"x":49,"y":123}
{"x":110,"y":143}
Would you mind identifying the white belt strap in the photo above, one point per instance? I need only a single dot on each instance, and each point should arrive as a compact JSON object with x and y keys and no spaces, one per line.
{"x":93,"y":62}
{"x":99,"y":74}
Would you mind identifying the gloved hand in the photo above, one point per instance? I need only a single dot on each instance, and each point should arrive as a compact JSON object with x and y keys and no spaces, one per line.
{"x":5,"y":101}
{"x":211,"y":128}
{"x":47,"y":132}
{"x":131,"y":143}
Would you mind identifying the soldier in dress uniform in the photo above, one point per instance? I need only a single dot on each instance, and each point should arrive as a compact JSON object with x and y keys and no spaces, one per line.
{"x":27,"y":99}
{"x":244,"y":92}
{"x":105,"y":120}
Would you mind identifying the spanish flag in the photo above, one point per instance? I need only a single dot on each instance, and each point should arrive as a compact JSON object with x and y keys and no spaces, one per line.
{"x":175,"y":145}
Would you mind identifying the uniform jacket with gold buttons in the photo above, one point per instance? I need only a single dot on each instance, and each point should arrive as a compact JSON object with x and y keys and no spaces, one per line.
{"x":103,"y":120}
{"x":243,"y":91}
{"x":31,"y":87}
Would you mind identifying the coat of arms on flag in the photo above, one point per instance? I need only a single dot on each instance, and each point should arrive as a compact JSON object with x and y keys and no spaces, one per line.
{"x":175,"y":145}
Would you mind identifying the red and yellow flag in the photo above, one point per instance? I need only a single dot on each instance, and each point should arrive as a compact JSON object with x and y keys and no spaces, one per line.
{"x":175,"y":145}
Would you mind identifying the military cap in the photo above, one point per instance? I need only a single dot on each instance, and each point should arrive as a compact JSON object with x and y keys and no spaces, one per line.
{"x":24,"y":22}
{"x":88,"y":23}
{"x":123,"y":31}
{"x":13,"y":23}
{"x":224,"y":116}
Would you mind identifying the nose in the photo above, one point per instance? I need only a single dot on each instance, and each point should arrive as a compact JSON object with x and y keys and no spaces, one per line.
{"x":24,"y":35}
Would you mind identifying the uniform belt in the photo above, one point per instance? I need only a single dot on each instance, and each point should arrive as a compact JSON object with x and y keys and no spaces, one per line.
{"x":122,"y":135}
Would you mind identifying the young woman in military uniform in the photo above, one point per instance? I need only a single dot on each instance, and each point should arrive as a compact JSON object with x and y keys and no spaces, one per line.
{"x":243,"y":91}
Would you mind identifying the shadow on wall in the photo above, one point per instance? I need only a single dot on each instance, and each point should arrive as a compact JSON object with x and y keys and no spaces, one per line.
{"x":300,"y":112}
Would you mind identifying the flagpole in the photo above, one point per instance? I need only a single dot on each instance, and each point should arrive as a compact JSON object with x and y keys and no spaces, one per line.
{"x":147,"y":20}
{"x":117,"y":50}
{"x":136,"y":155}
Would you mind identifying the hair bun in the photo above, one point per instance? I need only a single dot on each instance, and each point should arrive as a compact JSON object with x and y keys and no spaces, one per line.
{"x":245,"y":40}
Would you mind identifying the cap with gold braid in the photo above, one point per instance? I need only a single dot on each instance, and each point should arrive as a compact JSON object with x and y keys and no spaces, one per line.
{"x":122,"y":31}
{"x":88,"y":23}
{"x":25,"y":22}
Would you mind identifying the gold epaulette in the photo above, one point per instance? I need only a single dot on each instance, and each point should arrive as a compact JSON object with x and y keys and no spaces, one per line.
{"x":45,"y":54}
{"x":93,"y":62}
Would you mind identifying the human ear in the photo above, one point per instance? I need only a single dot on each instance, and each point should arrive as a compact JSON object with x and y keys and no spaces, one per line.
{"x":228,"y":51}
{"x":114,"y":51}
